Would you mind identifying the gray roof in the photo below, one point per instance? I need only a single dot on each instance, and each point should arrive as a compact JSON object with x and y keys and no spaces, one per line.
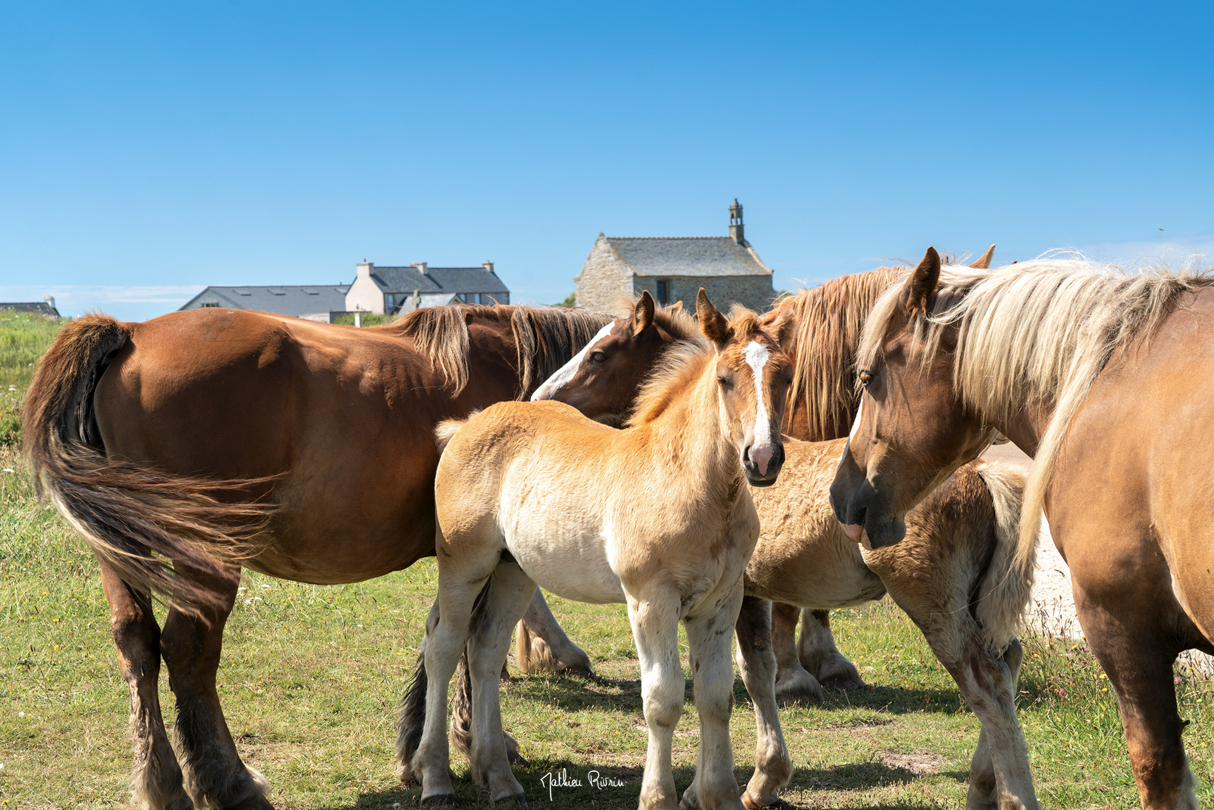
{"x":687,"y":256}
{"x":40,"y":307}
{"x":437,"y":280}
{"x":293,"y":300}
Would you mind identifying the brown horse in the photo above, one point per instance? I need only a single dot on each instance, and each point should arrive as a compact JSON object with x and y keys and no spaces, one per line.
{"x":187,"y":446}
{"x":825,"y":325}
{"x":538,"y":493}
{"x":1106,"y":379}
{"x":955,"y":574}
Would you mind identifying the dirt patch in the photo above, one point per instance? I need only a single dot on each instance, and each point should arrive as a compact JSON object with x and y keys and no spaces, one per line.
{"x":918,"y":762}
{"x":859,"y":722}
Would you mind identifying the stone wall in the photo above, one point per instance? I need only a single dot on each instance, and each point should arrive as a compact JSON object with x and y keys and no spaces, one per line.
{"x":752,"y":292}
{"x":604,"y":282}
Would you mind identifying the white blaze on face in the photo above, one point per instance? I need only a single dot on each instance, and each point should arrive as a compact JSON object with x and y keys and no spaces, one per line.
{"x":854,"y":427}
{"x":566,"y":372}
{"x":762,"y":449}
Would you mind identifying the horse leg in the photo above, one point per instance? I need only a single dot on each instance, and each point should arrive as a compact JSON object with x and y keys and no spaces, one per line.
{"x":757,"y":663}
{"x":156,"y":780}
{"x":655,"y":628}
{"x":215,"y":776}
{"x":819,"y":655}
{"x":709,"y":642}
{"x":543,"y":646}
{"x":503,"y":603}
{"x":447,"y":629}
{"x":793,"y":683}
{"x":1129,"y":644}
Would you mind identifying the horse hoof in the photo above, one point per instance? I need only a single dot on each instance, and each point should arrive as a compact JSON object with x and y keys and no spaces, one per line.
{"x":434,"y":802}
{"x":800,"y":692}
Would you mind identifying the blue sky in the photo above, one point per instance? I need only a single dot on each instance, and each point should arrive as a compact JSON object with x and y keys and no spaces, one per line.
{"x":150,"y":149}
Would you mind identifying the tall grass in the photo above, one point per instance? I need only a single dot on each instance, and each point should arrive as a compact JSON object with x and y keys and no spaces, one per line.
{"x":23,"y":338}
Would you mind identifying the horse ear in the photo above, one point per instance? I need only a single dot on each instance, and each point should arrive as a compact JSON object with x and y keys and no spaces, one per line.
{"x":642,"y":313}
{"x":922,"y":282}
{"x":984,"y":261}
{"x":783,"y":327}
{"x":712,"y":323}
{"x":674,"y":308}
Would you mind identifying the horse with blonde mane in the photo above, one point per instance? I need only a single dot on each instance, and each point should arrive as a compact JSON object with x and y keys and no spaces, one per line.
{"x":1105,"y":378}
{"x":956,"y":574}
{"x":657,"y":516}
{"x":191,"y":445}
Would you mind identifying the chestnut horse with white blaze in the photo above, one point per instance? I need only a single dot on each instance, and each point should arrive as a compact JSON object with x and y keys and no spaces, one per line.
{"x":956,"y":573}
{"x":193,"y":444}
{"x":1106,"y":379}
{"x":657,"y":516}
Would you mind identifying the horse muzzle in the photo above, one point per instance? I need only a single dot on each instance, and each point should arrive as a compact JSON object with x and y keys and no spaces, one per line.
{"x":762,"y":466}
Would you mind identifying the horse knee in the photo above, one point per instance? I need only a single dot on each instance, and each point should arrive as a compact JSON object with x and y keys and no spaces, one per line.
{"x":663,"y":705}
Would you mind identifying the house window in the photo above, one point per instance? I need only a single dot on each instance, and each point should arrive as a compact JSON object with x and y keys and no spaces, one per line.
{"x":663,"y":292}
{"x":211,"y":304}
{"x":390,"y":301}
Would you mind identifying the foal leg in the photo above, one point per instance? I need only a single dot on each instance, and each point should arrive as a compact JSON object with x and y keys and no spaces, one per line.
{"x":543,"y":646}
{"x":215,"y":776}
{"x":655,"y":628}
{"x":773,"y":768}
{"x":708,"y":640}
{"x":156,"y":780}
{"x":506,"y":599}
{"x":819,"y":655}
{"x":793,"y":683}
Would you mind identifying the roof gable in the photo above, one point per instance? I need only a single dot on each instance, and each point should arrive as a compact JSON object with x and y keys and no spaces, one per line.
{"x":281,"y":300}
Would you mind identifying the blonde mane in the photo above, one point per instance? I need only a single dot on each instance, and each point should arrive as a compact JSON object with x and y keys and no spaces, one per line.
{"x":1036,"y":333}
{"x":545,"y":338}
{"x":829,"y":320}
{"x":683,"y":362}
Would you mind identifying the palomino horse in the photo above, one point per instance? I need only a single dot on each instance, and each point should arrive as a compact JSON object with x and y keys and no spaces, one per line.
{"x":187,"y":446}
{"x":657,"y":516}
{"x":955,"y":575}
{"x":1106,"y":379}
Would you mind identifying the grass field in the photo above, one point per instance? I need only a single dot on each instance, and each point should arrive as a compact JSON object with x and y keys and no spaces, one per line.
{"x":311,"y":677}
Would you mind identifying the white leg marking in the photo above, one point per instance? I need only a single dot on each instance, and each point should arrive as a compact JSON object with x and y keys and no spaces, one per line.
{"x":762,"y":449}
{"x":565,"y":373}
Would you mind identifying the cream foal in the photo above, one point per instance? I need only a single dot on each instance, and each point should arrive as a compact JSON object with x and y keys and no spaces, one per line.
{"x":657,"y":516}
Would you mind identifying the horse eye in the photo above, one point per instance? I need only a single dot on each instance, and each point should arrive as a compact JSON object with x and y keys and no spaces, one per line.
{"x":866,"y":377}
{"x":598,"y":357}
{"x":725,"y":382}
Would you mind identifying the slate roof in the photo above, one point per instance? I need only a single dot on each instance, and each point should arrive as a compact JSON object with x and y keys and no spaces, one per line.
{"x":687,"y":256}
{"x":40,"y":307}
{"x":437,"y":280}
{"x":292,"y":300}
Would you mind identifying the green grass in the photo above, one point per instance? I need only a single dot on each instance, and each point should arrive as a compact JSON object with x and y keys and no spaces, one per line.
{"x":368,"y":319}
{"x":311,"y":677}
{"x":23,"y":339}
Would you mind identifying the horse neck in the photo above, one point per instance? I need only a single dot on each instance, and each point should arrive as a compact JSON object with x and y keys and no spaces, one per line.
{"x":691,"y":438}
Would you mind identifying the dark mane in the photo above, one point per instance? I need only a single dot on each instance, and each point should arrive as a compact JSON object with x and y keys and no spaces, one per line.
{"x":828,"y":323}
{"x":545,"y":338}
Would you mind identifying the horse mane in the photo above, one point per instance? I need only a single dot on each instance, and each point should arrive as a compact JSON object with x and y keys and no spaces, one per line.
{"x":1039,"y":333}
{"x":829,"y":320}
{"x":545,"y":338}
{"x":683,"y":362}
{"x":677,"y":323}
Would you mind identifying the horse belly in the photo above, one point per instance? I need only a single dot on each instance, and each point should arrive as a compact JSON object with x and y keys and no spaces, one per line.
{"x":567,"y":559}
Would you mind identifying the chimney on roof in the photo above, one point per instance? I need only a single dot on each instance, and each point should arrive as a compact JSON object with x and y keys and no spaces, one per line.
{"x":735,"y":222}
{"x":50,"y":301}
{"x":488,"y":266}
{"x":421,"y":268}
{"x":363,"y":270}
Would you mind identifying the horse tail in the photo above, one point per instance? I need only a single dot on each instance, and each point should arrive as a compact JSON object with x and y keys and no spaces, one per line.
{"x":1007,"y":584}
{"x":148,"y":527}
{"x":447,"y":429}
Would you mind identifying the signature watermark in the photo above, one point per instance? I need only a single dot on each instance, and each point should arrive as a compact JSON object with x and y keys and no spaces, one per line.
{"x":554,"y":780}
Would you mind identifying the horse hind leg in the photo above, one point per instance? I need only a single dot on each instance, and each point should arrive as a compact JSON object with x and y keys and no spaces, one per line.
{"x":794,"y":684}
{"x":503,"y":602}
{"x":757,"y":663}
{"x":819,"y":655}
{"x":215,"y":776}
{"x":542,"y":645}
{"x":156,"y":779}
